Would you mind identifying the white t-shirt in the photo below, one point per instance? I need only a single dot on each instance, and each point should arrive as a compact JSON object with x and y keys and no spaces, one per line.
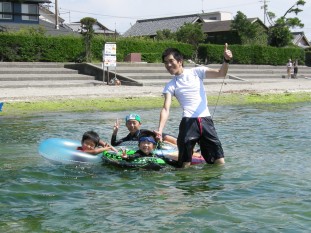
{"x":189,"y":90}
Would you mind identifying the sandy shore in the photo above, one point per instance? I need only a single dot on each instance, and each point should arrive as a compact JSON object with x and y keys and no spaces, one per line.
{"x":104,"y":91}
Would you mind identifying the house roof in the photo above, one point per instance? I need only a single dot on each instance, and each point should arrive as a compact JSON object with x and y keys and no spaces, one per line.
{"x":300,"y":39}
{"x":50,"y":28}
{"x":149,"y":27}
{"x":225,"y":25}
{"x":98,"y":28}
{"x":47,"y":15}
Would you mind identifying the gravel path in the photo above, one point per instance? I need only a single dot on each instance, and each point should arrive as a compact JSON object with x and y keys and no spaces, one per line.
{"x":104,"y":91}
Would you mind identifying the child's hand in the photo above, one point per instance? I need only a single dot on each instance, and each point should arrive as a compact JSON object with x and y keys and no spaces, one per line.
{"x":124,"y":155}
{"x":158,"y":136}
{"x":116,"y":126}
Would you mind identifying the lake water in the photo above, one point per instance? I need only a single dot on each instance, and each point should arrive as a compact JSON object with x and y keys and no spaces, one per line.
{"x":265,"y":185}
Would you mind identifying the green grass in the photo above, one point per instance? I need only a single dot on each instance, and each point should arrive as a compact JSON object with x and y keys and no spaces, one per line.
{"x":120,"y":104}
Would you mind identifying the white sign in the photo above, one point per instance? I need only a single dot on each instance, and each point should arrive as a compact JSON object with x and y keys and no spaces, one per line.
{"x":110,"y":60}
{"x":110,"y":54}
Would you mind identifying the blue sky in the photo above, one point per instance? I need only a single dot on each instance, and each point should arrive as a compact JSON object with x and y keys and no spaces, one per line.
{"x":121,"y":14}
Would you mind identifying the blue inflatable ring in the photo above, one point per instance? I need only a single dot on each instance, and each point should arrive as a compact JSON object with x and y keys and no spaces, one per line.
{"x":64,"y":151}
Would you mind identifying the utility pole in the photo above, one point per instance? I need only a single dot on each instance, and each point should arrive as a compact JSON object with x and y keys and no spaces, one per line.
{"x":264,"y":7}
{"x":56,"y":15}
{"x":202,"y":7}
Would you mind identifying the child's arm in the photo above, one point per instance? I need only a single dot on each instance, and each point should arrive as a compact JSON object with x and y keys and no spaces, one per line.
{"x":103,"y":147}
{"x":115,"y":132}
{"x":106,"y":146}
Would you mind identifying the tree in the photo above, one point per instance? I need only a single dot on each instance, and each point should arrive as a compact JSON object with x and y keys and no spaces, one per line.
{"x":249,"y":33}
{"x":34,"y":31}
{"x":88,"y":34}
{"x":191,"y":34}
{"x":165,"y":34}
{"x":279,"y":31}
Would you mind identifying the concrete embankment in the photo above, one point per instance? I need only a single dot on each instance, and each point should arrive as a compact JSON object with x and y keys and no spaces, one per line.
{"x":47,"y":81}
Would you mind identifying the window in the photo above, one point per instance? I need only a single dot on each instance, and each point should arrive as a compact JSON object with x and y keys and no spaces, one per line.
{"x":6,"y":10}
{"x":30,"y":12}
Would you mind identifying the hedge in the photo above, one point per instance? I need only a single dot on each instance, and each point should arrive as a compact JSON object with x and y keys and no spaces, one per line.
{"x":251,"y":54}
{"x":71,"y":48}
{"x":30,"y":48}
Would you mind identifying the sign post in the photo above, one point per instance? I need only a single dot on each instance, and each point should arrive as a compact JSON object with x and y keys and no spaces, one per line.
{"x":109,"y":58}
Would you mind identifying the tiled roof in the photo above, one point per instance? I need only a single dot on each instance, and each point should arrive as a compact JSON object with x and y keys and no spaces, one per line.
{"x":98,"y":28}
{"x":50,"y":28}
{"x":149,"y":27}
{"x":300,"y":39}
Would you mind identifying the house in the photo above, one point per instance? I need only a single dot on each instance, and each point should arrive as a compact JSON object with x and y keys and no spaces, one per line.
{"x":219,"y":32}
{"x":19,"y":11}
{"x":99,"y":28}
{"x":17,"y":14}
{"x":149,"y":27}
{"x":217,"y":26}
{"x":300,"y":40}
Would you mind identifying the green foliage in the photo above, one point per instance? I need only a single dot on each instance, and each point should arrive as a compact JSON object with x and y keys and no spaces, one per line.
{"x":152,"y":57}
{"x":308,"y":57}
{"x":165,"y":34}
{"x":249,"y":33}
{"x":279,"y":33}
{"x":34,"y":31}
{"x":251,"y":54}
{"x":191,"y":34}
{"x":88,"y":35}
{"x":40,"y":48}
{"x":125,"y":104}
{"x":71,"y":48}
{"x":126,"y":46}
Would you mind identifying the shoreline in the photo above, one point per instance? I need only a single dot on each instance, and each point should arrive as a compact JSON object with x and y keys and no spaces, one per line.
{"x":29,"y":101}
{"x":214,"y":87}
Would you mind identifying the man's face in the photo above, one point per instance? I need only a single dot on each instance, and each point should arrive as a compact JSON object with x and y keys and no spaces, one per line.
{"x":173,"y":66}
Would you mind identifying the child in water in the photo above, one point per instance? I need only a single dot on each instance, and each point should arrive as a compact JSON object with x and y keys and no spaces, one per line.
{"x":92,"y":144}
{"x":146,"y":145}
{"x":133,"y":124}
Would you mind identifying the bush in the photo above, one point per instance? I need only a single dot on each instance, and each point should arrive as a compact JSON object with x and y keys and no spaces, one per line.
{"x":30,"y":48}
{"x":251,"y":54}
{"x":40,"y":48}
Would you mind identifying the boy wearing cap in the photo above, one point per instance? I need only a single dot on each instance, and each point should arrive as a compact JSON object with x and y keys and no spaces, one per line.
{"x":146,"y":146}
{"x":133,"y":124}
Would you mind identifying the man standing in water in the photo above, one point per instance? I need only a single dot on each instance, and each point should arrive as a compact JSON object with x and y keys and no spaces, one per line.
{"x":196,"y":125}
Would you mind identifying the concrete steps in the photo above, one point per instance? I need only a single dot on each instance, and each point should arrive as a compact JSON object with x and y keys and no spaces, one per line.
{"x":37,"y":74}
{"x":156,"y":74}
{"x":54,"y":75}
{"x":49,"y":84}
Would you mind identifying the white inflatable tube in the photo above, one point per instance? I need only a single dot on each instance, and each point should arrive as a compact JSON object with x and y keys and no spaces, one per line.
{"x":64,"y":151}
